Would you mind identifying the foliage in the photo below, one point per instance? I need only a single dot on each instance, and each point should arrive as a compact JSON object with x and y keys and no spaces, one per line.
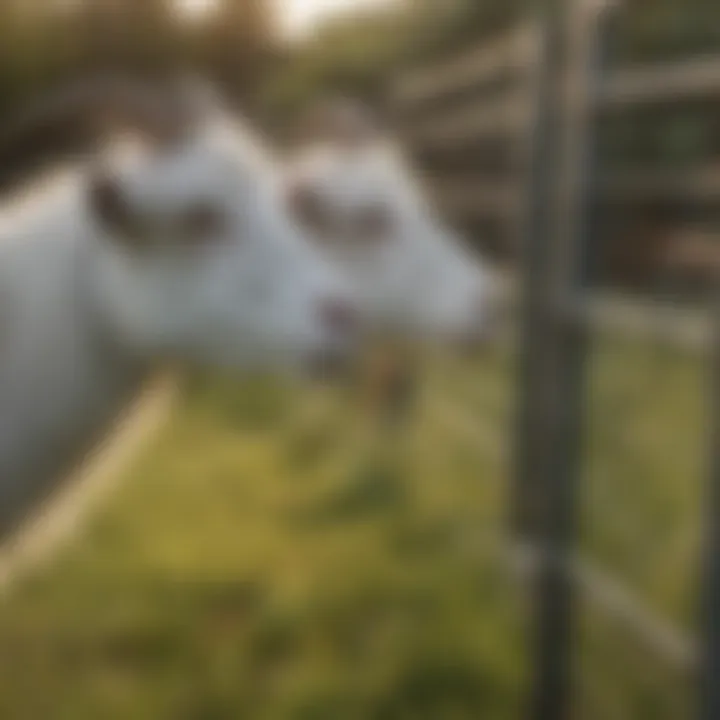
{"x":44,"y":42}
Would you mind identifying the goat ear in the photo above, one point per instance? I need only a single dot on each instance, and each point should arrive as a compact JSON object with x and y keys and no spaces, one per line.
{"x":110,"y":208}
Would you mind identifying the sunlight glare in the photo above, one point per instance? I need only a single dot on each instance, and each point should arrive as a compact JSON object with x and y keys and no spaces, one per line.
{"x":194,"y":8}
{"x":298,"y":17}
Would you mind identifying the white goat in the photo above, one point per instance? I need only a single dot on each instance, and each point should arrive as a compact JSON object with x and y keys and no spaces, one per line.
{"x":351,"y":187}
{"x":179,"y":250}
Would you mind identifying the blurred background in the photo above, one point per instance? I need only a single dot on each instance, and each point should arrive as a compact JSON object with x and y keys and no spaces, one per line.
{"x":278,"y":552}
{"x":273,"y":57}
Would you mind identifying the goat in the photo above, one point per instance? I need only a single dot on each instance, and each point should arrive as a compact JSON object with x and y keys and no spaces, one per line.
{"x":175,"y":245}
{"x":351,"y":187}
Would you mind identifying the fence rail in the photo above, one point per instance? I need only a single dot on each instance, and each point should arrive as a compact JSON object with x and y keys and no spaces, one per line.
{"x":507,"y":117}
{"x":698,"y":186}
{"x":43,"y":533}
{"x":691,"y":328}
{"x":678,"y":81}
{"x":512,"y":53}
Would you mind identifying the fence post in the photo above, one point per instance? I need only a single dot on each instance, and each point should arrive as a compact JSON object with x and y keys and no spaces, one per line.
{"x":710,"y":627}
{"x":583,"y":33}
{"x":535,"y":301}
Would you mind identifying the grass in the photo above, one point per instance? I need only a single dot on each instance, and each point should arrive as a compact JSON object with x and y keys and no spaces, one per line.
{"x":274,"y":556}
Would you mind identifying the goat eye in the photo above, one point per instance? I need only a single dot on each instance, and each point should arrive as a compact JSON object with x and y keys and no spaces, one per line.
{"x":202,"y":222}
{"x":309,"y":209}
{"x":374,"y":223}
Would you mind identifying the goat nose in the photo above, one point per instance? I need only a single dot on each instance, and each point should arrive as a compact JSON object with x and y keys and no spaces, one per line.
{"x":339,"y":316}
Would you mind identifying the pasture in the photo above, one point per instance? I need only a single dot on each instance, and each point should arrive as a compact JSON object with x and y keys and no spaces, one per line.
{"x":278,"y":554}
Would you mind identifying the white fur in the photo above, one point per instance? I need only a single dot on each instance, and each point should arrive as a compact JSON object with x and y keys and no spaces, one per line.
{"x":420,"y":279}
{"x":84,"y":316}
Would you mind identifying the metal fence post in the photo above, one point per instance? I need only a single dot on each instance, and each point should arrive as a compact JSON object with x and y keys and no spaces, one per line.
{"x":710,"y":627}
{"x":563,"y":411}
{"x":535,"y":301}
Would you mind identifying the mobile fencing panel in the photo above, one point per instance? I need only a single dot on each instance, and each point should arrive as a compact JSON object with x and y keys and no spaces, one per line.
{"x":557,"y":473}
{"x":587,"y":94}
{"x":543,"y":89}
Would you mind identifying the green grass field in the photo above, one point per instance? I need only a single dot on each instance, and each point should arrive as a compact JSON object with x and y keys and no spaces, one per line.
{"x":277,"y":555}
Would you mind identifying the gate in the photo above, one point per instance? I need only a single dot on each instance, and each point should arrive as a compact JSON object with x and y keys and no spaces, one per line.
{"x":548,"y":84}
